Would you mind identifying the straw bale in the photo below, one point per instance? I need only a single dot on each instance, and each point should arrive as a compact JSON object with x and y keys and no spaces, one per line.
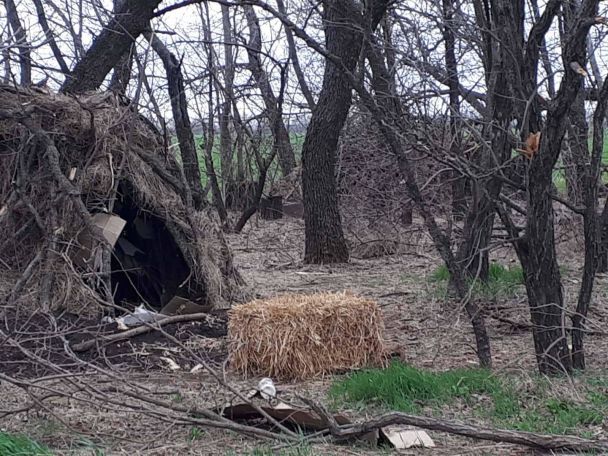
{"x":297,"y":337}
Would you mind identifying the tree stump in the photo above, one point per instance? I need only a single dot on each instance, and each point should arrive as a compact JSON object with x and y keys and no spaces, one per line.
{"x":271,"y":207}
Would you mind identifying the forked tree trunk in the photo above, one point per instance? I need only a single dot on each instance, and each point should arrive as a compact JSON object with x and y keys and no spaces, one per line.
{"x":325,"y":242}
{"x":592,"y":231}
{"x":282,"y":144}
{"x":129,"y":21}
{"x":183,"y":127}
{"x":537,"y":251}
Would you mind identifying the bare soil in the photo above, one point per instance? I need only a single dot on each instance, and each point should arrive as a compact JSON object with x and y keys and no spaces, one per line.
{"x":421,"y":328}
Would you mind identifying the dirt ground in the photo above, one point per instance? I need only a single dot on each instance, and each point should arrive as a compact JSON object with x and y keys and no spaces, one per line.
{"x":421,"y":329}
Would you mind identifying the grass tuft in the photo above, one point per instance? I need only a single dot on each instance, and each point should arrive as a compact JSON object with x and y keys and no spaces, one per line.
{"x":502,"y":281}
{"x":20,"y":445}
{"x":405,"y":388}
{"x":505,"y":401}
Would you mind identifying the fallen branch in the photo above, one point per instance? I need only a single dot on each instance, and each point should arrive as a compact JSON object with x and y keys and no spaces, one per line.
{"x":84,"y":346}
{"x":529,"y":439}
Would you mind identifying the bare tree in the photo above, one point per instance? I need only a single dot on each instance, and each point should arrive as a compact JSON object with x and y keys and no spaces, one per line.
{"x":325,"y":241}
{"x":287,"y":159}
{"x":183,"y":127}
{"x":21,"y":42}
{"x":130,"y":20}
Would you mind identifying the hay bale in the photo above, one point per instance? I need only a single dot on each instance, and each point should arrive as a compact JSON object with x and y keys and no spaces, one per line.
{"x":296,"y":337}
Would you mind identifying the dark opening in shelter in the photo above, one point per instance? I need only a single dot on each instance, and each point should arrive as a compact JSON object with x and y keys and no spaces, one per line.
{"x":147,"y":264}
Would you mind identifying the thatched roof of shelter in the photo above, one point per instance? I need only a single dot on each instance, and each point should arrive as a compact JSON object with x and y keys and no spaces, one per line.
{"x":63,"y":158}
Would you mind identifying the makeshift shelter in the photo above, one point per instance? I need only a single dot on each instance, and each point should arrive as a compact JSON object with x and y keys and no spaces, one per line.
{"x":94,"y":206}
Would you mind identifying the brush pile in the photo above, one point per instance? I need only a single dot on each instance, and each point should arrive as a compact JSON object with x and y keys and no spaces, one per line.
{"x":297,"y":337}
{"x":65,"y":160}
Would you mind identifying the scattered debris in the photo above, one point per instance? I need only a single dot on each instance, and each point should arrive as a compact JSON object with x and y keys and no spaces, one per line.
{"x":196,"y":368}
{"x":112,"y":338}
{"x":140,"y":316}
{"x":172,"y":364}
{"x":111,"y":227}
{"x":308,"y":419}
{"x":407,"y":438}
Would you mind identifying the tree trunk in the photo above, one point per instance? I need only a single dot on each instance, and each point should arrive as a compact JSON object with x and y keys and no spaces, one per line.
{"x":226,"y":151}
{"x":183,"y":128}
{"x":576,"y":148}
{"x":325,"y":242}
{"x":592,"y":234}
{"x":459,"y":202}
{"x":282,"y":144}
{"x":295,"y":61}
{"x":537,"y":254}
{"x":122,"y":72}
{"x":129,"y":21}
{"x":20,"y":40}
{"x":603,"y":247}
{"x":472,"y":253}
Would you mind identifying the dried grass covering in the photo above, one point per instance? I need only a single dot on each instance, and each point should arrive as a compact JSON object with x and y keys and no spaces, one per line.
{"x":297,"y":337}
{"x":105,"y":143}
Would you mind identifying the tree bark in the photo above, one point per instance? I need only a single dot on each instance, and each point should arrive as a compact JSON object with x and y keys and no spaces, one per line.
{"x":537,"y":252}
{"x":325,"y":242}
{"x":129,"y":21}
{"x":121,"y":74}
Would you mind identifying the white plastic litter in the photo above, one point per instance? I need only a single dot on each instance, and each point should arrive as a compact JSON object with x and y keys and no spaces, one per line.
{"x":267,"y":389}
{"x":196,"y":368}
{"x":172,"y":364}
{"x":139,"y":316}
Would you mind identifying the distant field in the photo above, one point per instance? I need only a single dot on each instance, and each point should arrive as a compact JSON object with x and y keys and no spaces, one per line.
{"x":296,"y":139}
{"x":559,"y":176}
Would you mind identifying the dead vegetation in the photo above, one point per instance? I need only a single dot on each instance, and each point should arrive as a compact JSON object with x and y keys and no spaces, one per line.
{"x":121,"y":394}
{"x":300,"y":337}
{"x":64,"y":159}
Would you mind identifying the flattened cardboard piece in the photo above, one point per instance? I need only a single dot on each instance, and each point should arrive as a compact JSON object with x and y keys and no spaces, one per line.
{"x":402,"y":439}
{"x":304,"y":419}
{"x":111,"y":227}
{"x":182,"y":306}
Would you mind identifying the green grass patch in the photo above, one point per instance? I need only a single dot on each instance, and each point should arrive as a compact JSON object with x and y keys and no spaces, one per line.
{"x":502,"y":281}
{"x":405,"y":388}
{"x":296,"y":140}
{"x":21,"y":445}
{"x":505,"y":401}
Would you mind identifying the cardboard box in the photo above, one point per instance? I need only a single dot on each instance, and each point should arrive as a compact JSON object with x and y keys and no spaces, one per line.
{"x":183,"y":306}
{"x":111,"y":228}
